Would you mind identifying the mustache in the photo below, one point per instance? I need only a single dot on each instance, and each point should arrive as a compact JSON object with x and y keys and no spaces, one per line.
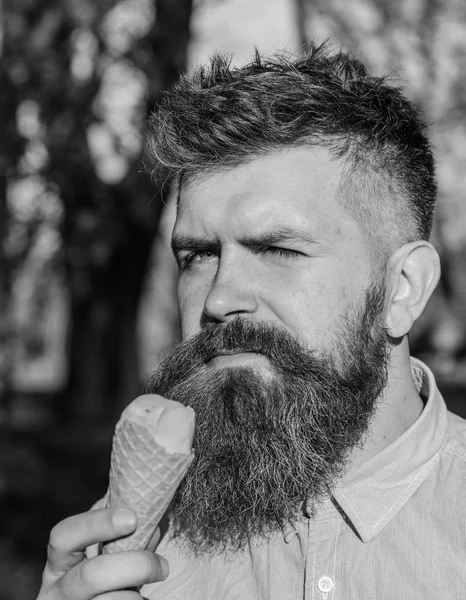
{"x":241,"y":335}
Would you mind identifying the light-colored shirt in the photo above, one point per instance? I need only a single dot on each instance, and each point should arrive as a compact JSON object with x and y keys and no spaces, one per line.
{"x":394,"y":529}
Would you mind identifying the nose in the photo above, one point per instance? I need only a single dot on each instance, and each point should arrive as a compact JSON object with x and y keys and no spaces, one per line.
{"x":229,"y":297}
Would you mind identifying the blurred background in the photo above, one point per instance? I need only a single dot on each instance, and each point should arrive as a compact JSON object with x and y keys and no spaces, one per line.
{"x":87,"y":303}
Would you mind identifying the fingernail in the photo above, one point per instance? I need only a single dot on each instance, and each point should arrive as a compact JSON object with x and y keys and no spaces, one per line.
{"x":164,"y":566}
{"x":124,"y":519}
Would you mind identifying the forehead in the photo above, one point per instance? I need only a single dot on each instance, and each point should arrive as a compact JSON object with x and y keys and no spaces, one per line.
{"x":294,"y":188}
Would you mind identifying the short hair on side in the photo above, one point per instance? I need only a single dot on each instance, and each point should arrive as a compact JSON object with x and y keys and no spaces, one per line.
{"x":219,"y":117}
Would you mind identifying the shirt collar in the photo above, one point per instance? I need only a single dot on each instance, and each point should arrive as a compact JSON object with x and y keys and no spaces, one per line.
{"x":371,"y":494}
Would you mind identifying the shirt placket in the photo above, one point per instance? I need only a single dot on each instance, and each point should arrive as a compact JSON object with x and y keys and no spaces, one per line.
{"x":321,"y":567}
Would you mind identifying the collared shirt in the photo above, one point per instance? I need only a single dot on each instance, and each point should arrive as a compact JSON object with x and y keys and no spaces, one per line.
{"x":394,"y":529}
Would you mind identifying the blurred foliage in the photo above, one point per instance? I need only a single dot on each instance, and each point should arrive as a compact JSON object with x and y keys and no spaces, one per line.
{"x":77,"y":80}
{"x":77,"y":223}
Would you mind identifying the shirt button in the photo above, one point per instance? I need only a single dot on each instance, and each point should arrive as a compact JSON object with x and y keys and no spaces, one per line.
{"x":325,"y":584}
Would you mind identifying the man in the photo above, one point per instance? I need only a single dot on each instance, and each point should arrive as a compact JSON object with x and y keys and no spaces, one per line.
{"x":327,"y":465}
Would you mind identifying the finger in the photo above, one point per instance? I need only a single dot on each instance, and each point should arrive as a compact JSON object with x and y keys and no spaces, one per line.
{"x":112,"y":572}
{"x":70,"y":537}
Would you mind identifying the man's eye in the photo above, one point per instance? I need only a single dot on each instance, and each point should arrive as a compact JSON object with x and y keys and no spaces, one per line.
{"x":282,"y":252}
{"x":196,"y":257}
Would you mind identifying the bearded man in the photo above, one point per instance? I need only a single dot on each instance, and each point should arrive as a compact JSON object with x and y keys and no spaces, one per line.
{"x":326,"y":463}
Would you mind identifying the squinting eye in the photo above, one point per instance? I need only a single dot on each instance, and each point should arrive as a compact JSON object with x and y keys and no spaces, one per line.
{"x":283,"y":252}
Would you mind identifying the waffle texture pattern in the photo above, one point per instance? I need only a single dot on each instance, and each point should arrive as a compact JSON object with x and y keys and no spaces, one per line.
{"x":144,"y":477}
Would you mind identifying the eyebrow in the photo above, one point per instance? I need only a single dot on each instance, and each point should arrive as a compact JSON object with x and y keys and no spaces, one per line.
{"x":184,"y":242}
{"x":280,"y":235}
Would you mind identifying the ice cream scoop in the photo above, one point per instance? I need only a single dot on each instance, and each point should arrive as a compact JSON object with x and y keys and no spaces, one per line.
{"x":151,"y":452}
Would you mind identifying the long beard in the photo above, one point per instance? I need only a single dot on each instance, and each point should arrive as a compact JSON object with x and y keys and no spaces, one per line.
{"x":267,"y":443}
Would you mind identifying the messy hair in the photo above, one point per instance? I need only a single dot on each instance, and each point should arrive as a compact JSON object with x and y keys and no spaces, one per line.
{"x":220,"y":117}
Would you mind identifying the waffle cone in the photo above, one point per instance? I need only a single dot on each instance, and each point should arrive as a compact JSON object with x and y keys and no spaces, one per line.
{"x":144,"y":476}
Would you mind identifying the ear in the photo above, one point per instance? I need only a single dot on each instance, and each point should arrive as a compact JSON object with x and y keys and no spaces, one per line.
{"x":412,"y":274}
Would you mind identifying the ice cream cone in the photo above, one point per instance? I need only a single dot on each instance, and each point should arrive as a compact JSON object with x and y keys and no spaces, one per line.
{"x":148,"y":464}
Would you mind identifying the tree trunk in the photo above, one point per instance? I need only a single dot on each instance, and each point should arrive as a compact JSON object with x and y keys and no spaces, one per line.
{"x":103,"y":354}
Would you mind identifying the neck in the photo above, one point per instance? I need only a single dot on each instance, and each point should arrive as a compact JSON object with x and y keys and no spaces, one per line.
{"x":398,"y":408}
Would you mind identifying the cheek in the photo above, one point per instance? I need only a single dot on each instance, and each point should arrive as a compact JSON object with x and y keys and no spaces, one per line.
{"x":311,"y":309}
{"x":186,"y":310}
{"x":311,"y":317}
{"x":302,"y":304}
{"x":191,"y":298}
